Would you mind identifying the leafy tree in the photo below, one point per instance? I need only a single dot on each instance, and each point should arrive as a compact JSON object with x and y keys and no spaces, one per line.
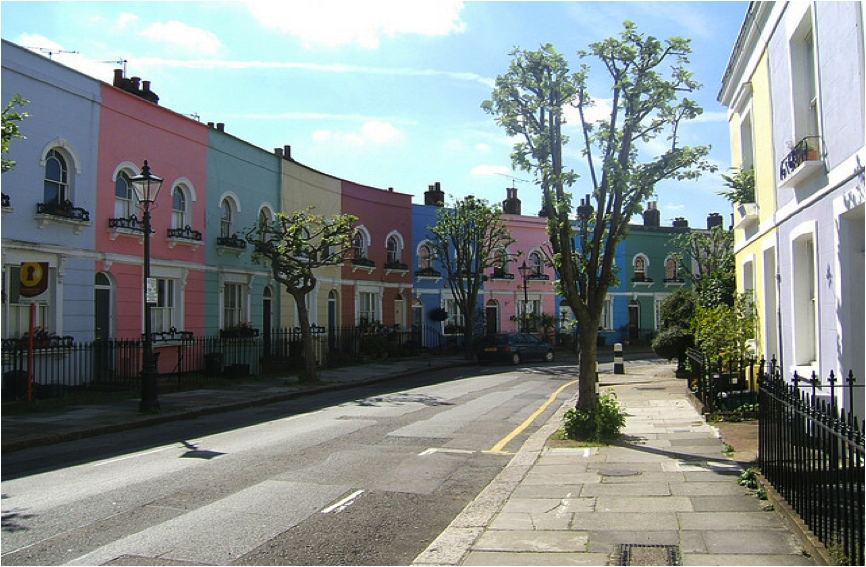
{"x":741,"y":186}
{"x":465,"y":240}
{"x":530,"y":101}
{"x":295,"y":245}
{"x":724,"y":330}
{"x":677,"y":313}
{"x":11,"y":131}
{"x":700,"y":253}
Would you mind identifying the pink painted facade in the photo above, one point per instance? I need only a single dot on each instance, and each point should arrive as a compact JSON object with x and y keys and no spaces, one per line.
{"x":503,"y":294}
{"x":380,"y":288}
{"x":133,"y":130}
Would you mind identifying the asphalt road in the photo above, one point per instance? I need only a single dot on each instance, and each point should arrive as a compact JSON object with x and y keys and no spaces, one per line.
{"x":359,"y":477}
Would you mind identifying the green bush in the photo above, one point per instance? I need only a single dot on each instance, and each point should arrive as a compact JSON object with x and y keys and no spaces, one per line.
{"x":601,"y":425}
{"x":672,"y":343}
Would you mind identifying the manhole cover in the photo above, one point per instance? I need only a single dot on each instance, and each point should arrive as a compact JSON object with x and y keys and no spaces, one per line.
{"x":645,"y":554}
{"x":619,"y":472}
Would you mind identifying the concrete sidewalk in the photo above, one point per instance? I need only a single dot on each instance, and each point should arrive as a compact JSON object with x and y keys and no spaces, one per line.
{"x":664,"y":495}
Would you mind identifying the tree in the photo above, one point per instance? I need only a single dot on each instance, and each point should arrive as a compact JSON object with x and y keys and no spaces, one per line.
{"x":700,"y":254}
{"x":530,"y":101}
{"x":11,"y":131}
{"x":295,"y":245}
{"x":465,"y":240}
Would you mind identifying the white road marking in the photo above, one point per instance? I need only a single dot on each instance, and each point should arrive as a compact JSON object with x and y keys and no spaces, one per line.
{"x":342,"y":504}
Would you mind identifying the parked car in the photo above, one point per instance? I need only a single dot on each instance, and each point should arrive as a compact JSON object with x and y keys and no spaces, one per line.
{"x":513,"y":348}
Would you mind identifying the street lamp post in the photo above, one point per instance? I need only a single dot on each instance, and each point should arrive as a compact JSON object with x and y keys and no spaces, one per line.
{"x":147,"y":186}
{"x":524,"y":273}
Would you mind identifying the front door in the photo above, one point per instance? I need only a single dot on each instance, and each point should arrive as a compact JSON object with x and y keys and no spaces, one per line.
{"x":633,"y":320}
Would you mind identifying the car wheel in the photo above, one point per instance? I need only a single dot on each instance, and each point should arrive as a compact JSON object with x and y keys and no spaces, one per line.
{"x":515,"y":358}
{"x":548,"y":356}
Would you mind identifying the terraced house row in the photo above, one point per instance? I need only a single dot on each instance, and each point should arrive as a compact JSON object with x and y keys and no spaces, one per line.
{"x":69,"y":203}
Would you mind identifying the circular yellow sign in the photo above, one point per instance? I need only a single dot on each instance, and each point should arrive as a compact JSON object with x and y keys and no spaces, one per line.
{"x":32,"y":273}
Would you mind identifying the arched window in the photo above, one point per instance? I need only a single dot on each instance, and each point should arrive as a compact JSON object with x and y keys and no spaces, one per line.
{"x":56,"y":188}
{"x":425,"y":257}
{"x":124,"y":196}
{"x":359,"y":246}
{"x":671,"y":269}
{"x":640,"y":265}
{"x":179,"y":217}
{"x":227,"y":219}
{"x":393,"y":245}
{"x":537,"y":264}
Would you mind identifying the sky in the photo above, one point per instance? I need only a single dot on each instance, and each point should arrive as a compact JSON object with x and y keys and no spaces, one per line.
{"x":385,"y":93}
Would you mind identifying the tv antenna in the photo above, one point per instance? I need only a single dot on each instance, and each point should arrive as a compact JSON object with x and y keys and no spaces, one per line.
{"x":514,"y":179}
{"x":121,"y":62}
{"x":49,"y":51}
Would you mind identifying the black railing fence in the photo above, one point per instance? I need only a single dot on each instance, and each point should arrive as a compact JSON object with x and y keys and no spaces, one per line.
{"x":721,"y":385}
{"x":64,"y":367}
{"x":810,"y":448}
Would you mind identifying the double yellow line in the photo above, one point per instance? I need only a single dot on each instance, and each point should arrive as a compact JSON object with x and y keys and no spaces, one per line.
{"x":508,"y":438}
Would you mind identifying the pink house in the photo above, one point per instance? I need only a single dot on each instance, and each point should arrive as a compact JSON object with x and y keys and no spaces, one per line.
{"x":506,"y":300}
{"x":377,"y":280}
{"x":133,"y":128}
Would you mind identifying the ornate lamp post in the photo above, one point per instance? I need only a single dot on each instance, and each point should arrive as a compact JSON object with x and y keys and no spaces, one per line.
{"x":147,"y":186}
{"x":524,"y":273}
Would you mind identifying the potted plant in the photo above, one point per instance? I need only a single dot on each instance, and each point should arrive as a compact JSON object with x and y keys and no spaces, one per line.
{"x":244,"y":329}
{"x":438,"y":314}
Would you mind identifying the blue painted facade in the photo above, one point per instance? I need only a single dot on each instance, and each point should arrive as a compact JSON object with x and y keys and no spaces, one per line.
{"x":63,"y":126}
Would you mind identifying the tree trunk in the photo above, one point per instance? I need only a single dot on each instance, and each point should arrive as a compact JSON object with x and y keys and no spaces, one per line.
{"x":588,"y":366}
{"x":468,"y":334}
{"x":310,"y":373}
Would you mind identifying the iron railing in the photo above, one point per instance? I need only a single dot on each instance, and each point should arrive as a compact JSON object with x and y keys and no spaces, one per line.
{"x":811,"y":450}
{"x":807,"y":149}
{"x":61,"y":367}
{"x":721,"y":385}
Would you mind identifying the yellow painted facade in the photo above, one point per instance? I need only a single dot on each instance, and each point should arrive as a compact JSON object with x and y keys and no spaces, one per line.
{"x":754,"y":230}
{"x":303,"y":187}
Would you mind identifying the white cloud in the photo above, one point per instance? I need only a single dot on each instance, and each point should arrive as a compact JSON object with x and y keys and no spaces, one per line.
{"x":188,"y":38}
{"x":488,"y":170}
{"x":125,"y":19}
{"x":371,"y":133}
{"x":336,"y":22}
{"x":482,"y":147}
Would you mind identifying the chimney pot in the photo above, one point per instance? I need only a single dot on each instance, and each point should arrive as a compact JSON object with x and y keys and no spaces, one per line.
{"x":118,"y":77}
{"x":287,"y":151}
{"x":221,"y":126}
{"x":278,"y":151}
{"x":210,"y":124}
{"x":145,"y":86}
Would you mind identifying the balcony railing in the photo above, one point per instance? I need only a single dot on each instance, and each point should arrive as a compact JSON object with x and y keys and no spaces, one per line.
{"x":128,"y":223}
{"x":366,"y":262}
{"x":232,"y":242}
{"x":428,"y":273}
{"x":807,"y":150}
{"x":501,"y":274}
{"x":538,"y":277}
{"x":186,"y":233}
{"x":396,"y":266}
{"x":63,"y":209}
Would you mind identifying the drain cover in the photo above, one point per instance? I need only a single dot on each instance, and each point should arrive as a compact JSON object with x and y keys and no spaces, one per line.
{"x":618,"y":472}
{"x":644,"y":554}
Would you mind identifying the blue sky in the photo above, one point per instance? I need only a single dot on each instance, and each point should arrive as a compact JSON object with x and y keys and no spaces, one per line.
{"x":384,"y":93}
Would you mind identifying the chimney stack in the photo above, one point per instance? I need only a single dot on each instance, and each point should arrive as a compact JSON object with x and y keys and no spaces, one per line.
{"x":714,"y":220}
{"x":287,"y":151}
{"x":278,"y":151}
{"x":135,"y":86}
{"x":434,"y":195}
{"x":511,"y":204}
{"x":652,"y":216}
{"x":680,"y":222}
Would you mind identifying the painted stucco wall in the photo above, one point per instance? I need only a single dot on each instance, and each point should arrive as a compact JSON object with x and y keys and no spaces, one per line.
{"x":304,"y":187}
{"x":380,"y":213}
{"x":64,"y":114}
{"x":133,"y":130}
{"x":251,"y":178}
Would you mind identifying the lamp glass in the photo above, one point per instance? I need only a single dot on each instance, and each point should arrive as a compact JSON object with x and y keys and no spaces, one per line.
{"x":146,"y":184}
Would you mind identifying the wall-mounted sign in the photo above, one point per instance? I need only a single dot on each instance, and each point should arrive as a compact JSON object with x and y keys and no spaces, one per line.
{"x":34,"y":279}
{"x":152,"y":291}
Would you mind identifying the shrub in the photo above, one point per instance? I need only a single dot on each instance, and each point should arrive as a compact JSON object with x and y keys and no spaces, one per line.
{"x":672,"y":343}
{"x":600,"y":425}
